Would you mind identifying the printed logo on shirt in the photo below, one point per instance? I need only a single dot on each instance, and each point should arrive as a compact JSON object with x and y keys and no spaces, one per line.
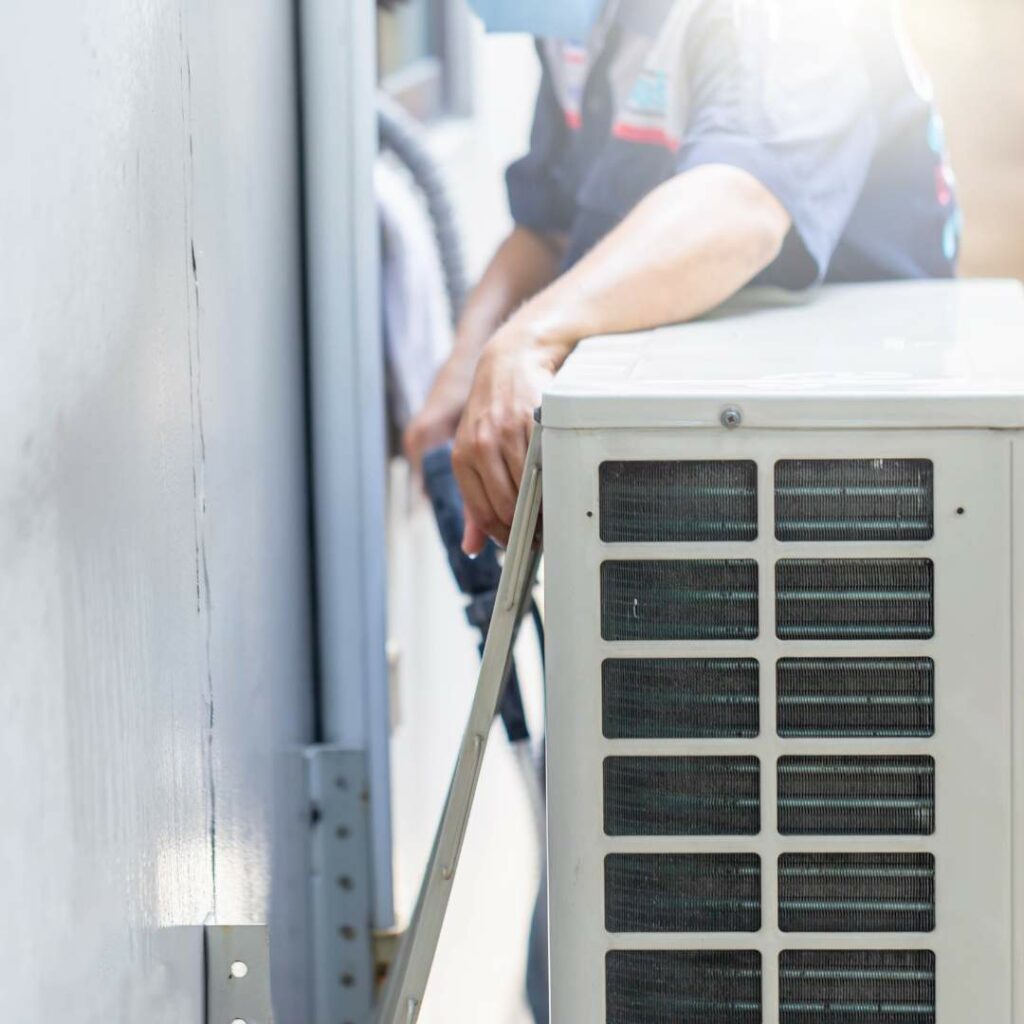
{"x":945,"y":189}
{"x":650,"y":87}
{"x":645,"y":117}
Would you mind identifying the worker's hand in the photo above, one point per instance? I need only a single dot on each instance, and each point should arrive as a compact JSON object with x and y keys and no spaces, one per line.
{"x":435,"y":423}
{"x":493,"y":435}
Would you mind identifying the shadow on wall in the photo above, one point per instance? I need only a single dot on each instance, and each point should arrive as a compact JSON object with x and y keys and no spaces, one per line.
{"x":972,"y":50}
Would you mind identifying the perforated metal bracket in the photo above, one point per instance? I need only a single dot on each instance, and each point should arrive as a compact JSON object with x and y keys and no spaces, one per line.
{"x":237,"y":974}
{"x":344,"y":974}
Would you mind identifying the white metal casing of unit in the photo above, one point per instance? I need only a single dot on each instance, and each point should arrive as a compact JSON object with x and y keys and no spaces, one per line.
{"x":919,"y":371}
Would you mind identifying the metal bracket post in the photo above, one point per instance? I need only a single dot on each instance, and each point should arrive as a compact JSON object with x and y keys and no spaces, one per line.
{"x":341,"y":886}
{"x":238,"y":974}
{"x":346,"y":397}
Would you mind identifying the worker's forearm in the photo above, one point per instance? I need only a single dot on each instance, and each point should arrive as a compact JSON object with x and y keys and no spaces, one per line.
{"x":683,"y":250}
{"x":524,"y":265}
{"x":686,"y":248}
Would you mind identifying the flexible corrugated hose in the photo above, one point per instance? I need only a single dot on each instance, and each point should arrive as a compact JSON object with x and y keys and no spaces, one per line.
{"x":400,"y":134}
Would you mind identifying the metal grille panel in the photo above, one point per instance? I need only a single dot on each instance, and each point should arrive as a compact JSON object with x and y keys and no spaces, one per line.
{"x":679,"y":600}
{"x":683,"y":987}
{"x":854,"y":499}
{"x":682,"y":796}
{"x":855,"y":599}
{"x":849,"y":697}
{"x":856,"y":795}
{"x":856,"y":892}
{"x":682,"y":892}
{"x":879,"y":697}
{"x":679,"y":698}
{"x":678,"y":501}
{"x":857,"y":987}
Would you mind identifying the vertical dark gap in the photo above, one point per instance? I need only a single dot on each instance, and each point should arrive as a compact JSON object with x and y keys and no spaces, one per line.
{"x":307,"y":403}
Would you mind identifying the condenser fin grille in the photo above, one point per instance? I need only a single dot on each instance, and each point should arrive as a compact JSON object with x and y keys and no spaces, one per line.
{"x":680,"y":698}
{"x":856,"y":892}
{"x":672,"y":892}
{"x":678,"y":501}
{"x":855,"y":599}
{"x":679,"y":600}
{"x":682,"y":796}
{"x":683,"y":987}
{"x":847,"y":795}
{"x":854,"y":499}
{"x":851,"y":697}
{"x":857,"y":987}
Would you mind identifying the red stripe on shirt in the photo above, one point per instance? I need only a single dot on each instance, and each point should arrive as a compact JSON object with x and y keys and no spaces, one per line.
{"x":645,"y":136}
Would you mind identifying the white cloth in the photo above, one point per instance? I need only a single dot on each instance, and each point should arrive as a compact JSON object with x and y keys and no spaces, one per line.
{"x":416,"y":315}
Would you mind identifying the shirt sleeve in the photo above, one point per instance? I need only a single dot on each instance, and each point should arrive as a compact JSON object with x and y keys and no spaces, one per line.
{"x":778,"y":88}
{"x":537,"y":197}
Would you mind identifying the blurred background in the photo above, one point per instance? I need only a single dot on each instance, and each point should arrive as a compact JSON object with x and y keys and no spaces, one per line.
{"x":972,"y":50}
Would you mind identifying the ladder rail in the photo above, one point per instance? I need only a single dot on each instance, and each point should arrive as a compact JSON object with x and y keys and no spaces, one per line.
{"x":407,"y":981}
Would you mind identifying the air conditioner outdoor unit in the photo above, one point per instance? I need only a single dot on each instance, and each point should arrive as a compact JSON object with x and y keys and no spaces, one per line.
{"x":784,"y":571}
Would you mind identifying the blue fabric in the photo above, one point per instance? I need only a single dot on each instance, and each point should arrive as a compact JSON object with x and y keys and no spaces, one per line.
{"x":817,"y":105}
{"x":537,"y":950}
{"x":557,"y":19}
{"x":537,"y":953}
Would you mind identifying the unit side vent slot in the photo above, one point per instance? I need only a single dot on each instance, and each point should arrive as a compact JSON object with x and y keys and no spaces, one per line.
{"x":682,"y":796}
{"x":851,"y":697}
{"x":835,"y":796}
{"x":679,"y":600}
{"x":855,"y":599}
{"x":857,"y":987}
{"x":683,"y":987}
{"x":854,"y":500}
{"x":678,"y":501}
{"x":673,"y":892}
{"x":857,"y":892}
{"x":680,"y":698}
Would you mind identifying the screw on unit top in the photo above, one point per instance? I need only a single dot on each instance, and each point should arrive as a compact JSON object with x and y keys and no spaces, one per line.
{"x":731,"y":418}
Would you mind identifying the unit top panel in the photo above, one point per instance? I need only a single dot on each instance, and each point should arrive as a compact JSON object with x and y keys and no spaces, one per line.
{"x":922,"y":354}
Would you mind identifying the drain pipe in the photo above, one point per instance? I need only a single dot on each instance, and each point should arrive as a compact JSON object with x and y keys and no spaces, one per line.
{"x":346,"y":393}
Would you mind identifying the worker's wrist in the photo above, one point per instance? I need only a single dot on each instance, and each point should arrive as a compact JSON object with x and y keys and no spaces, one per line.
{"x":475,"y":329}
{"x":547,"y":335}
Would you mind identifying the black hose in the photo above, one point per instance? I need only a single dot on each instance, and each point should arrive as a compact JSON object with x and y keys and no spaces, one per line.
{"x":400,"y":133}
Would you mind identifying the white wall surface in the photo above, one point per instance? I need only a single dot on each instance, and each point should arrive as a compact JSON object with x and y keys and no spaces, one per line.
{"x":479,"y":973}
{"x":153,"y":546}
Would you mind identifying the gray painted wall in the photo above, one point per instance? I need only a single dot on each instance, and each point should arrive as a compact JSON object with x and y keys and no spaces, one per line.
{"x":154,"y":609}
